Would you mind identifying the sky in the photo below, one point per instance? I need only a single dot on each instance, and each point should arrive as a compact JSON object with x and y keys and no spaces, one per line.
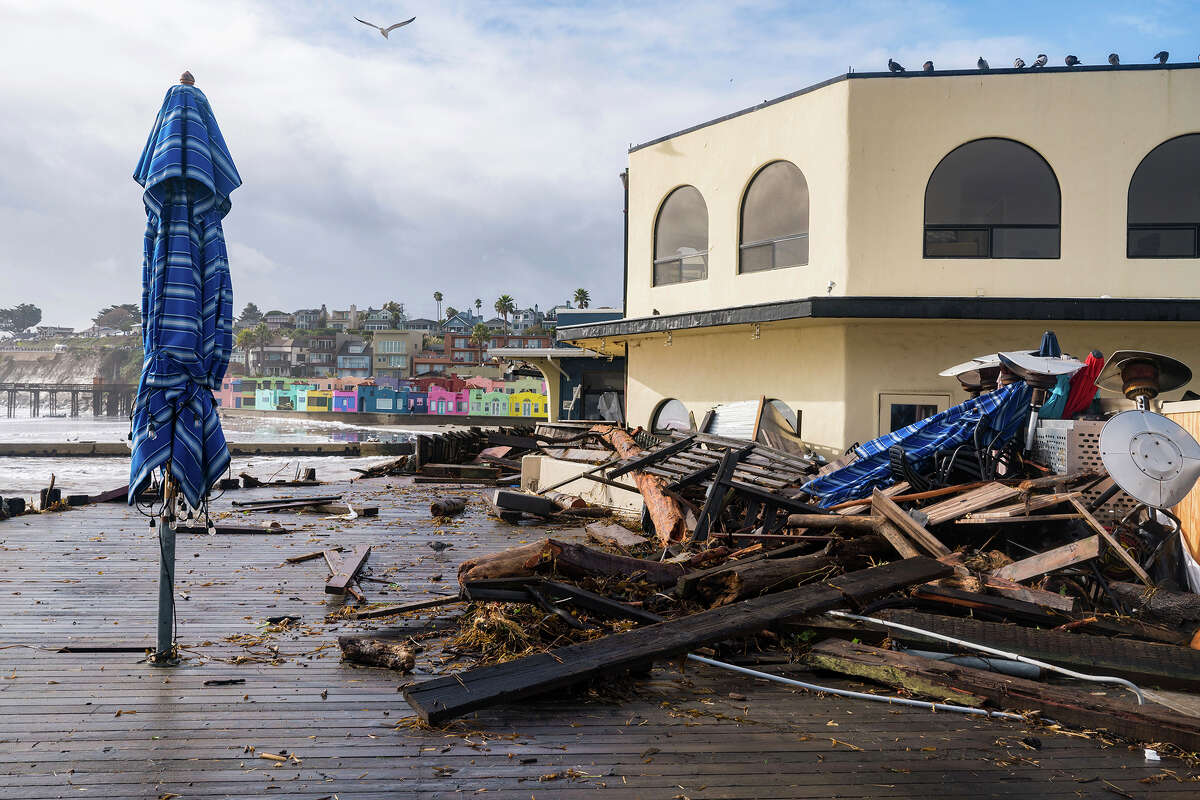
{"x":475,"y":152}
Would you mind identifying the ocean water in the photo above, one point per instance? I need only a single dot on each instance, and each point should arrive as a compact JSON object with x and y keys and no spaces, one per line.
{"x":23,"y":477}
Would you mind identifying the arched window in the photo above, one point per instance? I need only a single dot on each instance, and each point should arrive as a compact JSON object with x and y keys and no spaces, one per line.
{"x":992,"y":198}
{"x":774,"y":219}
{"x":670,"y":415}
{"x":1164,"y":201}
{"x":681,"y":238}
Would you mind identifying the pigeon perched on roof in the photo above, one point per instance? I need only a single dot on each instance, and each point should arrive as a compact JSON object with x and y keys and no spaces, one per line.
{"x":1018,"y":63}
{"x":1114,"y":59}
{"x":1161,"y":56}
{"x":1072,"y":61}
{"x":927,"y":66}
{"x":385,"y":31}
{"x":894,"y":66}
{"x":1040,"y":61}
{"x":983,"y":65}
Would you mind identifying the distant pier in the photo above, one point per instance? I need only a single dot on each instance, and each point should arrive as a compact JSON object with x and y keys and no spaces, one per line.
{"x":66,"y":399}
{"x":120,"y":449}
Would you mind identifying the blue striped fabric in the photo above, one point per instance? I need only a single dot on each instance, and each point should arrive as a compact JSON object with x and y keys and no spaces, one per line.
{"x":1002,"y":414}
{"x":187,"y":297}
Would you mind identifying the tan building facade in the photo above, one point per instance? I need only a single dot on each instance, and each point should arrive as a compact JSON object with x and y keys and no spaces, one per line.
{"x":836,"y":248}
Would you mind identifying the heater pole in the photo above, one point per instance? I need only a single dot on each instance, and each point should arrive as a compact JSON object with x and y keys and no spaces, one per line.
{"x":164,"y":652}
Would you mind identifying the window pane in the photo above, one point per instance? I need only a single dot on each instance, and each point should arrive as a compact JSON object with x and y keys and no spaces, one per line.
{"x":776,"y":204}
{"x":992,"y":182}
{"x":956,"y":244}
{"x":1165,"y":187}
{"x":682,"y":226}
{"x":1162,"y":242}
{"x":668,"y":272}
{"x":1025,"y":243}
{"x":904,"y":414}
{"x":757,"y":258}
{"x":791,"y":252}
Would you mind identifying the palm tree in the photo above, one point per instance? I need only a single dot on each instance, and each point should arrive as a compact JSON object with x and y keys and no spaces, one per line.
{"x":480,"y":334}
{"x":437,"y":298}
{"x":504,"y":306}
{"x":478,"y":305}
{"x":260,"y":337}
{"x":396,"y":310}
{"x":245,"y":343}
{"x":582,"y":298}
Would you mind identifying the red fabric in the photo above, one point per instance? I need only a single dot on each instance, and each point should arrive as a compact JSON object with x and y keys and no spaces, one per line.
{"x":1083,"y":386}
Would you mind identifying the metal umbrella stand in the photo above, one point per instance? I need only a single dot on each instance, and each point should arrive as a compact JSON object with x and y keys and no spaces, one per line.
{"x":187,"y":322}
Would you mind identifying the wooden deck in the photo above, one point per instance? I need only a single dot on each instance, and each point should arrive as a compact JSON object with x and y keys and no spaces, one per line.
{"x":88,"y":724}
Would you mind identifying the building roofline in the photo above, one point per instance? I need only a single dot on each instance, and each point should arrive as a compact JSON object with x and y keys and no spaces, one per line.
{"x":1048,"y":309}
{"x":918,"y":75}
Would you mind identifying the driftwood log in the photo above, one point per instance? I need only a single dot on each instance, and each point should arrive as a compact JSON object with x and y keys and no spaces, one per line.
{"x":664,"y":510}
{"x":762,"y":576}
{"x":567,"y":502}
{"x":448,"y":506}
{"x":567,"y":558}
{"x":377,"y":653}
{"x":1180,"y":609}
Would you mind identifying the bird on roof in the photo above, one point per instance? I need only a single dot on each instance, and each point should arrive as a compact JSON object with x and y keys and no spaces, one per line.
{"x":1161,"y":56}
{"x":927,"y":66}
{"x":1018,"y":63}
{"x":1040,"y":61}
{"x":385,"y":31}
{"x":1114,"y":59}
{"x":1072,"y":61}
{"x":894,"y":66}
{"x":982,"y":64}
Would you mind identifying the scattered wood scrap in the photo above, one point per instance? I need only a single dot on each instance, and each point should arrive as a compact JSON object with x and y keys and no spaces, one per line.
{"x":614,"y":535}
{"x":377,"y":653}
{"x":567,"y":558}
{"x":346,"y":570}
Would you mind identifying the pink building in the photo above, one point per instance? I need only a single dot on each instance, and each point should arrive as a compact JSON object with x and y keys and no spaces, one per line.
{"x":345,"y":400}
{"x":445,"y":402}
{"x":486,"y":384}
{"x":229,"y":395}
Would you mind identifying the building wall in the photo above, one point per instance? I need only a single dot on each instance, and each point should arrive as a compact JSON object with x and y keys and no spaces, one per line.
{"x":720,"y":160}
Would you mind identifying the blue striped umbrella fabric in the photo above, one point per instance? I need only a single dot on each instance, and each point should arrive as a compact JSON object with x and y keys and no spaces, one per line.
{"x":187,"y":297}
{"x":998,"y":415}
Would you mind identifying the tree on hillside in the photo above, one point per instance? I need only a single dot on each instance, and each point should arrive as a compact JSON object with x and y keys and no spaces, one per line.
{"x":123,"y":317}
{"x":250,"y":316}
{"x":245,"y":342}
{"x":437,"y":298}
{"x":582,"y":298}
{"x":504,"y":306}
{"x":396,"y":310}
{"x":19,"y":318}
{"x":260,"y":337}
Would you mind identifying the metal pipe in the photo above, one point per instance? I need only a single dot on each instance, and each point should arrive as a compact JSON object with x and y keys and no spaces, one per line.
{"x":1001,"y":665}
{"x":878,"y":698}
{"x":993,"y":651}
{"x":166,"y":592}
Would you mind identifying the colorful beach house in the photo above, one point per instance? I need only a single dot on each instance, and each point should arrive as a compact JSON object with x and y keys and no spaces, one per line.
{"x":380,"y":400}
{"x":526,"y":404}
{"x":318,"y":400}
{"x":264,"y":399}
{"x":345,"y":400}
{"x":446,"y":402}
{"x":493,"y":403}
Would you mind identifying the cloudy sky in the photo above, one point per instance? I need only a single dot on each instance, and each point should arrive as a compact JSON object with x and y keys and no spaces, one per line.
{"x":475,"y":152}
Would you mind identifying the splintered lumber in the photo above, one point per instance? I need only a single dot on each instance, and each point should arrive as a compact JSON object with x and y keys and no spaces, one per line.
{"x":448,"y":506}
{"x":377,"y":653}
{"x":985,"y":496}
{"x":1112,"y":542}
{"x":613,"y":535}
{"x":1084,"y":708}
{"x":568,"y":558}
{"x":454,"y":695}
{"x":112,"y":495}
{"x":907,"y":525}
{"x":1027,"y":506}
{"x":255,"y":505}
{"x":742,"y":580}
{"x":507,"y":500}
{"x":846,"y":522}
{"x":308,"y":556}
{"x":345,"y":570}
{"x":896,"y":539}
{"x":1059,"y":557}
{"x":567,"y":502}
{"x":859,"y":506}
{"x":342,"y":508}
{"x":231,"y":529}
{"x":387,"y":611}
{"x":1166,"y":665}
{"x":1172,"y":608}
{"x":664,"y":510}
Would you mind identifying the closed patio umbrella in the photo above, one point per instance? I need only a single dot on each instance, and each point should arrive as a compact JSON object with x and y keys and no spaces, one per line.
{"x":187,"y":310}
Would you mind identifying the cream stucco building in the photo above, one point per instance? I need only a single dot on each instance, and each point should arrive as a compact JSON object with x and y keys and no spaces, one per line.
{"x":837,"y":247}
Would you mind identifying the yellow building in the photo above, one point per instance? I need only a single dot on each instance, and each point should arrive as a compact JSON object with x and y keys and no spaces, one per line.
{"x":837,"y":247}
{"x":525,"y":403}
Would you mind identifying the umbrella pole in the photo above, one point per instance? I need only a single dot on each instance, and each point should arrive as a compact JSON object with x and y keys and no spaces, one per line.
{"x":164,"y":653}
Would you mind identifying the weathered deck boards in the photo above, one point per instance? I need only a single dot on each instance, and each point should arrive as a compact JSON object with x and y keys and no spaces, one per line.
{"x":88,"y":576}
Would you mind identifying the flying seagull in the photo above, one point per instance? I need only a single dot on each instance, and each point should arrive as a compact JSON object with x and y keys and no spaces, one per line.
{"x":894,"y":66}
{"x":1114,"y":59}
{"x":386,"y":31}
{"x":1040,"y":61}
{"x":927,"y":66}
{"x":1161,"y":56}
{"x":983,"y":65}
{"x":1018,"y":63}
{"x":1072,"y":61}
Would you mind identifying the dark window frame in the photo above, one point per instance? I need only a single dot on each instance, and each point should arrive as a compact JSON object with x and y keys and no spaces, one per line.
{"x":744,"y":246}
{"x":655,"y":262}
{"x":926,"y":228}
{"x":1130,"y":227}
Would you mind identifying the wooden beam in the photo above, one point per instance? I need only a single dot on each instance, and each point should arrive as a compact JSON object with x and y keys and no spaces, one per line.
{"x":907,"y":525}
{"x":714,"y":500}
{"x":1027,"y":506}
{"x":1059,"y":557}
{"x":345,"y":571}
{"x":387,"y":611}
{"x":1015,"y":520}
{"x":989,"y":494}
{"x":457,"y":694}
{"x":1112,"y":542}
{"x":637,"y":462}
{"x":849,"y":522}
{"x":896,"y":539}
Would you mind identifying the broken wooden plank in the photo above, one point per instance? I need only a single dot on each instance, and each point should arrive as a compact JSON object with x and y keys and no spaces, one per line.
{"x":507,"y":500}
{"x":377,"y":652}
{"x":309,"y":556}
{"x":273,"y":528}
{"x":714,"y":499}
{"x":1032,"y":519}
{"x":846,"y":521}
{"x":568,"y":558}
{"x":1112,"y":542}
{"x":861,"y":506}
{"x":454,"y":695}
{"x":1080,"y":707}
{"x":1027,"y":506}
{"x":984,"y":497}
{"x":614,"y":535}
{"x":1057,"y":558}
{"x":651,"y":457}
{"x":387,"y":611}
{"x":907,"y":525}
{"x":253,"y":504}
{"x":345,"y":570}
{"x":896,"y":539}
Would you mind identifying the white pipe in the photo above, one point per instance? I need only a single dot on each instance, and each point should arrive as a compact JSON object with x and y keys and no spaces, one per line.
{"x":878,"y":698}
{"x":1002,"y":653}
